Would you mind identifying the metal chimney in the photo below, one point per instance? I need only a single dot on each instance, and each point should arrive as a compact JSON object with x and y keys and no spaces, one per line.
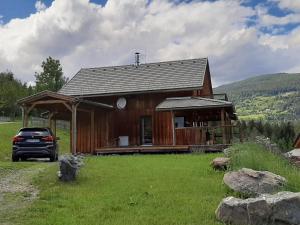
{"x":137,"y":58}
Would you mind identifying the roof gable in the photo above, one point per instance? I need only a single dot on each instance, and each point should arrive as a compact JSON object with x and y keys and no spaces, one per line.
{"x":151,"y":77}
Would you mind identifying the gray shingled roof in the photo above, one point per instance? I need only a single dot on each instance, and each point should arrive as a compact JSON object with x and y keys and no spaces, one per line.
{"x":191,"y":103}
{"x":172,"y":75}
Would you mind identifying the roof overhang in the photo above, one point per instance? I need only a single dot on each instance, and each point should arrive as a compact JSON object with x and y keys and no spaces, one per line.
{"x":195,"y":103}
{"x":50,"y":98}
{"x":45,"y":95}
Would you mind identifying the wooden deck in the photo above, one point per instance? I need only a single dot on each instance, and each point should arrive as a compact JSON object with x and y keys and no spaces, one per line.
{"x":161,"y":149}
{"x":143,"y":149}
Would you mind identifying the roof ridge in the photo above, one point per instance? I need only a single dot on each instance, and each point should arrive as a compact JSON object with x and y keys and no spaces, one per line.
{"x":145,"y":64}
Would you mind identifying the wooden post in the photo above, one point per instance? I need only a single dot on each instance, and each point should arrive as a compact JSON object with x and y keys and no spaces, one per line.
{"x":54,"y":125}
{"x":50,"y":120}
{"x":173,"y":128}
{"x":26,"y":117}
{"x":23,"y":116}
{"x":74,"y":128}
{"x":92,"y":131}
{"x":223,"y":126}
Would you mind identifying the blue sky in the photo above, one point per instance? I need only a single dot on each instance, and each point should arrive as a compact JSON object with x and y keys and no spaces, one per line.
{"x":241,"y":38}
{"x":10,"y":9}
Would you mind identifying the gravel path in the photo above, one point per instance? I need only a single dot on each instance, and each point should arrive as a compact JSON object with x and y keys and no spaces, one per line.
{"x":16,"y":190}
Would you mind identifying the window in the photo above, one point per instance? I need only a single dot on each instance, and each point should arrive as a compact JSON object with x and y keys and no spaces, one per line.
{"x":179,"y":121}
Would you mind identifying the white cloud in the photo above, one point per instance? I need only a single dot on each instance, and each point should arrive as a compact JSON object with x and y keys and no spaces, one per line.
{"x":293,"y":5}
{"x":83,"y":34}
{"x":40,"y":6}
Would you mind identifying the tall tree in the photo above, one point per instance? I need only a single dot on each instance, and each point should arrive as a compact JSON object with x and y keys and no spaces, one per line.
{"x":11,"y":90}
{"x":51,"y":78}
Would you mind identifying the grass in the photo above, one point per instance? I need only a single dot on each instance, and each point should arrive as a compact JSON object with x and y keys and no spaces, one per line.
{"x":143,"y":189}
{"x":135,"y":189}
{"x":254,"y":156}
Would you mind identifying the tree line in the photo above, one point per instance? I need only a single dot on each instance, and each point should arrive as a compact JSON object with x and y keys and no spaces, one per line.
{"x":282,"y":133}
{"x":12,"y":89}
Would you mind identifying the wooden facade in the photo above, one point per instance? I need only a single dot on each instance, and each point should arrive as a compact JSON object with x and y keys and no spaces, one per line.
{"x":297,"y":142}
{"x":97,"y":124}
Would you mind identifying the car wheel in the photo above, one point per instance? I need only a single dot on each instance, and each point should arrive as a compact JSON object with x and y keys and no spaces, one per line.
{"x":23,"y":158}
{"x":52,"y":157}
{"x":15,"y":158}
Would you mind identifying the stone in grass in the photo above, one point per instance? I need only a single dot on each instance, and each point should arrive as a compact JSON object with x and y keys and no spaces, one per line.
{"x":279,"y":209}
{"x":293,"y":156}
{"x":220,"y":163}
{"x":69,"y":166}
{"x":253,"y":183}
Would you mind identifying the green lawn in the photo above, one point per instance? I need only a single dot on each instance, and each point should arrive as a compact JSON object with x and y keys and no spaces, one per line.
{"x":134,"y":189}
{"x":144,"y":189}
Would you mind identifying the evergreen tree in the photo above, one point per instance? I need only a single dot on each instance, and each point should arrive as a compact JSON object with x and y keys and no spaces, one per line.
{"x":51,"y":78}
{"x":11,"y":90}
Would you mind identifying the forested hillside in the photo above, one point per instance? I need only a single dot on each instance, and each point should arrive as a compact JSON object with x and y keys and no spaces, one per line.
{"x":268,"y":97}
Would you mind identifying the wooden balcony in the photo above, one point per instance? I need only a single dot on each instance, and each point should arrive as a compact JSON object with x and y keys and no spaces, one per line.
{"x":207,"y":135}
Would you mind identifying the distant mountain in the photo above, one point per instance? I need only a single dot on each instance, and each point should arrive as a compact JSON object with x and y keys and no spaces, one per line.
{"x":268,"y":97}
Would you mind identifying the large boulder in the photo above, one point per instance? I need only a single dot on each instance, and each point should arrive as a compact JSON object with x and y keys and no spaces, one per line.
{"x":294,"y":156}
{"x":253,"y":183}
{"x":220,"y":163}
{"x":279,"y":209}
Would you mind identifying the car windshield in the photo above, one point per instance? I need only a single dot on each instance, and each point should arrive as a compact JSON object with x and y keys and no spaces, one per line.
{"x":34,"y":132}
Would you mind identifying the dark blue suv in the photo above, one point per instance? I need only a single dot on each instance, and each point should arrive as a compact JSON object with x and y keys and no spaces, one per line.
{"x":35,"y":143}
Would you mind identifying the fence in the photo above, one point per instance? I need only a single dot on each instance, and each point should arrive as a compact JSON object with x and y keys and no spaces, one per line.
{"x":41,"y":122}
{"x":4,"y":119}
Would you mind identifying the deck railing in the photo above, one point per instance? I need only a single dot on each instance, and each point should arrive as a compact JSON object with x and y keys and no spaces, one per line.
{"x":208,"y":135}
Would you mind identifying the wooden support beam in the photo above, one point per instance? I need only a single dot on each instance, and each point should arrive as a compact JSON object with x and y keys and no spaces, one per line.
{"x":25,"y":116}
{"x":84,"y":110}
{"x":93,"y":131}
{"x":223,"y":126}
{"x":173,"y":128}
{"x":67,"y":106}
{"x":31,"y":108}
{"x":74,"y":128}
{"x":51,"y":114}
{"x":49,"y":102}
{"x":54,"y":125}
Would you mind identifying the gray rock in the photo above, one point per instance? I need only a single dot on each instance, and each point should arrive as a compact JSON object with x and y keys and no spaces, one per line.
{"x":253,"y":183}
{"x":220,"y":163}
{"x":279,"y":209}
{"x":69,"y":166}
{"x":293,"y":156}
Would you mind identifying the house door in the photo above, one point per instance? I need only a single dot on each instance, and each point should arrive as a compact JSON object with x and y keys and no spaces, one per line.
{"x":146,"y":130}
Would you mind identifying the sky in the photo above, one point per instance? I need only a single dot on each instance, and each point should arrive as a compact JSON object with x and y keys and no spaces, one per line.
{"x":241,"y":38}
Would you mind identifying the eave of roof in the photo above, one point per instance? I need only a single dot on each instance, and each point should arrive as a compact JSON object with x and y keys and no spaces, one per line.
{"x":71,"y":99}
{"x":183,"y":103}
{"x":43,"y":94}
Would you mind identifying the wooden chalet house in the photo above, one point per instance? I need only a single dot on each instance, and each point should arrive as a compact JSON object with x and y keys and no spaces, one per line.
{"x":142,"y":107}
